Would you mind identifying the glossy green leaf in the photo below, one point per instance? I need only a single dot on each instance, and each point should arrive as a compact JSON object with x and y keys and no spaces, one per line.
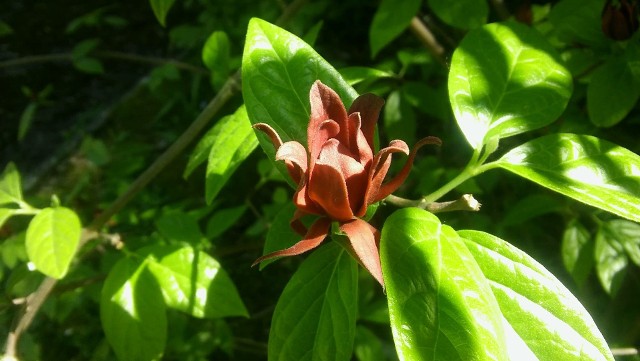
{"x":577,"y":251}
{"x":579,"y":20}
{"x":231,"y":143}
{"x":160,"y":9}
{"x":616,"y":241}
{"x":441,"y":306}
{"x":399,"y":118}
{"x":52,"y":239}
{"x":10,"y":189}
{"x":585,"y":168}
{"x":367,"y":345}
{"x":543,"y":320}
{"x":216,"y":55}
{"x":193,"y":282}
{"x":178,"y":226}
{"x":612,"y":93}
{"x":505,"y":79}
{"x":278,"y":70}
{"x":389,"y":21}
{"x":315,"y":318}
{"x":133,"y":313}
{"x":465,"y":14}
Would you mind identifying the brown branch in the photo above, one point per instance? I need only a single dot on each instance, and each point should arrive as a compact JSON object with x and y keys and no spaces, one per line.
{"x":426,"y":37}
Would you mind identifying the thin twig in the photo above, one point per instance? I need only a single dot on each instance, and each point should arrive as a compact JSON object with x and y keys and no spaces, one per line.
{"x":464,"y":203}
{"x":427,"y":38}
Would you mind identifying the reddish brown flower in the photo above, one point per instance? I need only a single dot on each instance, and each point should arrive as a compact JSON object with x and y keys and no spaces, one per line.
{"x":620,"y":21}
{"x":339,"y":176}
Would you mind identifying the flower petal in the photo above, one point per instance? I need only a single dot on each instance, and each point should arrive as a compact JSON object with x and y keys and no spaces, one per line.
{"x":295,"y":157}
{"x":316,"y":234}
{"x":325,"y":104}
{"x":391,"y":186}
{"x":368,"y":105}
{"x":326,"y":130}
{"x":364,"y":240}
{"x":268,"y":130}
{"x":337,"y":181}
{"x":359,"y":145}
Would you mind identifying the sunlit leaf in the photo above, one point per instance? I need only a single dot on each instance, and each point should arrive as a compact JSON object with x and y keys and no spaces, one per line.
{"x":5,"y":214}
{"x":588,"y":169}
{"x":612,"y":93}
{"x":52,"y":239}
{"x":465,"y":14}
{"x":577,"y":251}
{"x":357,"y":74}
{"x":315,"y":318}
{"x":543,"y":320}
{"x":506,"y":79}
{"x":229,"y":143}
{"x":389,"y":21}
{"x":133,"y":313}
{"x":161,"y":9}
{"x":10,"y":189}
{"x":194,"y":282}
{"x":440,"y":304}
{"x":278,"y":70}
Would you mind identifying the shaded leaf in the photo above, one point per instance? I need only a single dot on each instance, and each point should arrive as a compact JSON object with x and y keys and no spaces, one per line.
{"x":612,"y":93}
{"x":321,"y":299}
{"x":133,"y":313}
{"x":161,"y":9}
{"x":5,"y":214}
{"x":543,"y":320}
{"x":367,"y":345}
{"x":52,"y":239}
{"x":10,"y":189}
{"x":178,"y":226}
{"x":579,"y":20}
{"x":223,"y":219}
{"x":389,"y":21}
{"x":216,"y":54}
{"x":280,"y":235}
{"x":399,"y":118}
{"x":585,"y":168}
{"x":357,"y":74}
{"x":26,"y":118}
{"x":441,"y":306}
{"x":193,"y":282}
{"x":505,"y":79}
{"x":531,"y":206}
{"x":616,"y":241}
{"x":577,"y":251}
{"x":465,"y":14}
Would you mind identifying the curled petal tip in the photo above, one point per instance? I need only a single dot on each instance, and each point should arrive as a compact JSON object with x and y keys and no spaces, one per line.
{"x":429,"y":140}
{"x":270,"y":132}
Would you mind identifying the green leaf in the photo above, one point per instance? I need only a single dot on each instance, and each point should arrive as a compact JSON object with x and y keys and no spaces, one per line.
{"x":13,"y":251}
{"x":133,"y":313}
{"x":577,"y":251}
{"x":612,"y":93}
{"x":234,"y":142}
{"x":505,"y":79}
{"x":367,"y":345}
{"x":542,"y":318}
{"x":278,"y":70}
{"x":315,"y":318}
{"x":389,"y":21}
{"x":201,"y":152}
{"x":10,"y":190}
{"x":399,"y":118}
{"x":465,"y":14}
{"x":5,"y":214}
{"x":160,"y":9}
{"x":178,"y":226}
{"x":26,"y":118}
{"x":616,"y":241}
{"x":215,"y":55}
{"x":223,"y":219}
{"x":88,"y":65}
{"x":427,"y":99}
{"x":531,"y":206}
{"x":585,"y":168}
{"x":440,"y":304}
{"x":84,"y":48}
{"x":52,"y":240}
{"x":193,"y":282}
{"x":357,"y":74}
{"x":5,"y":29}
{"x":579,"y":20}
